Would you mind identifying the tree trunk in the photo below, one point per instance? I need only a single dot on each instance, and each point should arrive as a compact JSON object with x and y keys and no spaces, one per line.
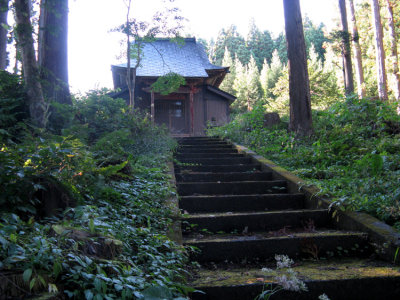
{"x":53,"y":50}
{"x":3,"y":33}
{"x":380,"y":52}
{"x":346,"y":53}
{"x":37,"y":106}
{"x":357,"y":53}
{"x":129,"y":79}
{"x":393,"y":54}
{"x":299,"y":85}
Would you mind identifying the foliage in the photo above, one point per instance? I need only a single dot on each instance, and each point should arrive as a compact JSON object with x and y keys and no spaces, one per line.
{"x":13,"y":108}
{"x":353,"y":155}
{"x":323,"y":86}
{"x":288,"y":281}
{"x":168,"y":83}
{"x":113,"y":244}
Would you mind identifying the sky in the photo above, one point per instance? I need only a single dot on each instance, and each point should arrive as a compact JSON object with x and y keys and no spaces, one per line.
{"x":93,"y":48}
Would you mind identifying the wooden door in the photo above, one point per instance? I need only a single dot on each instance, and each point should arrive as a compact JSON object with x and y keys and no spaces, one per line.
{"x":173,"y":114}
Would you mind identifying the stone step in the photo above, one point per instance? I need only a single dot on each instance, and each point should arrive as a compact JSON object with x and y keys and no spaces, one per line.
{"x":355,"y":279}
{"x":216,"y":161}
{"x":194,"y":150}
{"x":219,"y":168}
{"x":231,"y":188}
{"x":198,"y":138}
{"x":241,"y":203}
{"x":310,"y":220}
{"x":260,"y":246}
{"x":223,"y":177}
{"x":202,"y":142}
{"x":205,"y":146}
{"x":206,"y":155}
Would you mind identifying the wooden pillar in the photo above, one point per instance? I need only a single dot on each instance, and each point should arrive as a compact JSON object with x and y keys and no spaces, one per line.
{"x":191,"y":112}
{"x":152,"y":108}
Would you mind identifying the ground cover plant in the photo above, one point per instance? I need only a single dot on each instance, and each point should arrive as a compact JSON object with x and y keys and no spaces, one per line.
{"x":353,"y":155}
{"x":82,"y":207}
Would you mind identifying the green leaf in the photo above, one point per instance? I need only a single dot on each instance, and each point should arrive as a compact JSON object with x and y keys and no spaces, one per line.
{"x":157,"y":293}
{"x":42,"y":281}
{"x":57,"y":268}
{"x":88,"y":295}
{"x":27,"y":275}
{"x":32,"y":283}
{"x":92,"y":228}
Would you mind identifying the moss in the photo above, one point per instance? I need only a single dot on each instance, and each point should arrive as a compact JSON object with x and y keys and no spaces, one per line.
{"x":265,"y":235}
{"x":307,"y":271}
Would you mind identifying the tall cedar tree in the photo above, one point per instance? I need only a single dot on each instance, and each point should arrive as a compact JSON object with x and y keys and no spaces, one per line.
{"x":37,"y":106}
{"x":3,"y":33}
{"x":380,"y":52}
{"x":254,"y":90}
{"x":346,"y":52}
{"x":227,"y":84}
{"x":299,"y":85}
{"x":357,"y":52}
{"x":393,"y":48}
{"x":53,"y":50}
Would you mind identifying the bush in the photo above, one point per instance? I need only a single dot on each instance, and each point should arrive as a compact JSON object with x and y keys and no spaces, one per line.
{"x":13,"y":107}
{"x":353,"y":154}
{"x":110,"y":240}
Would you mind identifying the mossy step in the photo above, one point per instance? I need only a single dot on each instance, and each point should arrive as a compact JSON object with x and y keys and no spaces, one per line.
{"x":222,"y":177}
{"x":259,"y":246}
{"x":206,"y":150}
{"x":218,"y":168}
{"x":243,"y":203}
{"x":198,"y":138}
{"x":202,"y":142}
{"x":190,"y":155}
{"x":216,"y":161}
{"x":231,"y":188}
{"x":257,"y":221}
{"x":207,"y":146}
{"x":357,"y":279}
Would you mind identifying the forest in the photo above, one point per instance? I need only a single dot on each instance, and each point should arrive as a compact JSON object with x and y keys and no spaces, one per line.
{"x":85,"y":180}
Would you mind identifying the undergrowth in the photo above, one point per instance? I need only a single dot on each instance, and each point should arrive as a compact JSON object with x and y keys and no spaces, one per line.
{"x":83,"y":210}
{"x":354,"y":154}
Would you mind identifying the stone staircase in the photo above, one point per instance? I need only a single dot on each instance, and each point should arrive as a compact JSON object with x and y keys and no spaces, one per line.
{"x":238,"y":216}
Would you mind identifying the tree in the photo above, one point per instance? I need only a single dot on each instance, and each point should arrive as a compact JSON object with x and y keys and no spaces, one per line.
{"x":299,"y":86}
{"x":230,"y":38}
{"x":167,"y":23}
{"x":323,"y":82}
{"x":393,"y":48}
{"x":37,"y":106}
{"x":270,"y":75}
{"x":240,"y":85}
{"x":357,"y":52}
{"x":228,"y":83}
{"x":280,"y":46}
{"x":260,"y":44}
{"x":253,"y":88}
{"x":380,"y":52}
{"x":314,"y":37}
{"x":3,"y":33}
{"x":346,"y":52}
{"x":53,"y":50}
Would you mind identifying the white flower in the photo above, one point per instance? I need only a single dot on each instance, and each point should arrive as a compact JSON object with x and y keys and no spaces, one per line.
{"x":266,"y":270}
{"x":291,"y":283}
{"x":283,"y":261}
{"x":323,"y":297}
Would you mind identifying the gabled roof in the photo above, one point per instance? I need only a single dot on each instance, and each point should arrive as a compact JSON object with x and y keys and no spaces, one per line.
{"x":163,"y":56}
{"x":221,"y":93}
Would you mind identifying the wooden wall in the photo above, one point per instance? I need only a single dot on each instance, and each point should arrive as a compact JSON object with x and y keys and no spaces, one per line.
{"x":217,"y":109}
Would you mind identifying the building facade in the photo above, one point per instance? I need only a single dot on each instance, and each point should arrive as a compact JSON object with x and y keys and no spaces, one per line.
{"x":196,"y":105}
